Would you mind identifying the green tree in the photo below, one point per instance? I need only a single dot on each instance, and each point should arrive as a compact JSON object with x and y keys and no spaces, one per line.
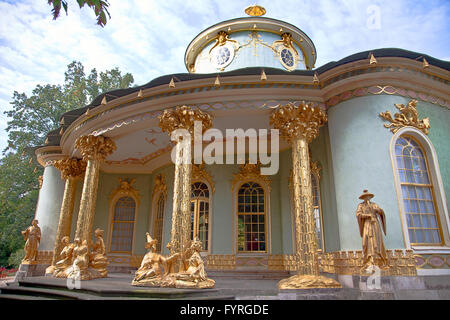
{"x":30,"y":119}
{"x":100,"y":8}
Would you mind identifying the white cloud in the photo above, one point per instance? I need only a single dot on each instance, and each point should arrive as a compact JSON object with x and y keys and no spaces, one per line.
{"x":148,"y":37}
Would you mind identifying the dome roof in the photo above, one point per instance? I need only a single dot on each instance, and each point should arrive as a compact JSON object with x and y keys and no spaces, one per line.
{"x":252,"y":41}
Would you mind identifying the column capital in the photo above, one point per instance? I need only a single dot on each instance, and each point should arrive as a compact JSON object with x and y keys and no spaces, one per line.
{"x":183,"y":118}
{"x":302,"y":121}
{"x":95,"y":147}
{"x":70,"y":167}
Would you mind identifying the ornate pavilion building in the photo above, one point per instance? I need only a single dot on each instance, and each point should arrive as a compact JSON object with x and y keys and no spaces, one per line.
{"x":376,"y":120}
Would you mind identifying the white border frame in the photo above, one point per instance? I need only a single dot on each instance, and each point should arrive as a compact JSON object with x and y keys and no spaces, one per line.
{"x":266,"y":187}
{"x":112,"y":205}
{"x":153,"y":211}
{"x":210,"y":213}
{"x":438,"y":188}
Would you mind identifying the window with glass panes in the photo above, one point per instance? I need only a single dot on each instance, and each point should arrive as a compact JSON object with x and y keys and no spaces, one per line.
{"x":251,"y":218}
{"x":317,"y":210}
{"x":123,"y":225}
{"x":417,"y":193}
{"x":200,"y":213}
{"x":158,"y":223}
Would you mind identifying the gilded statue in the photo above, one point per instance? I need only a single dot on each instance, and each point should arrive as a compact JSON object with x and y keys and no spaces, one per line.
{"x":159,"y":271}
{"x":32,"y":236}
{"x":98,"y":259}
{"x":195,"y":271}
{"x":369,"y":216}
{"x":77,"y":262}
{"x":408,"y":116}
{"x":79,"y":269}
{"x":222,"y":39}
{"x":286,"y":41}
{"x":152,"y":264}
{"x":66,"y":258}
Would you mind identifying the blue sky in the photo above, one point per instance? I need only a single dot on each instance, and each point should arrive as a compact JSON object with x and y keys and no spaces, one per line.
{"x":148,"y":38}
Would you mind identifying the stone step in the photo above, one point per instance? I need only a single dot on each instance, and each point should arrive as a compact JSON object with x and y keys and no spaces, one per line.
{"x":101,"y":290}
{"x":60,"y":294}
{"x":20,"y":297}
{"x":35,"y":293}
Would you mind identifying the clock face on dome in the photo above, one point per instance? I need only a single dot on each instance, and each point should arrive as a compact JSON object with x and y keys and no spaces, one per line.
{"x":222,"y":56}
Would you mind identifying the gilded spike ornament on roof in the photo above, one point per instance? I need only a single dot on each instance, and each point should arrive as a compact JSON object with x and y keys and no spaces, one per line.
{"x":408,"y":116}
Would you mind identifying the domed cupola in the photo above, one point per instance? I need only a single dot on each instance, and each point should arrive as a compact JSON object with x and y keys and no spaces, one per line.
{"x":252,"y":41}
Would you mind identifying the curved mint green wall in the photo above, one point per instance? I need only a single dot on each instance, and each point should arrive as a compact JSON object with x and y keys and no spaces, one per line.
{"x":222,"y":209}
{"x":439,"y":135}
{"x":109,"y":182}
{"x":285,"y":202}
{"x":222,"y":205}
{"x":168,"y":173}
{"x":361,"y":160}
{"x":76,"y":208}
{"x":320,"y":151}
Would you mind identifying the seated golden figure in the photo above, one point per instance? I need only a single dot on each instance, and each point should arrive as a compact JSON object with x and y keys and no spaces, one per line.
{"x":152,"y":264}
{"x":192,"y":275}
{"x":66,"y":258}
{"x":98,"y":259}
{"x":79,"y":269}
{"x":195,"y":271}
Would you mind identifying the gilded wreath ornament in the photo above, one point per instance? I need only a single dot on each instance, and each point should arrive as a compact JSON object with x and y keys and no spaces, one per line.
{"x":70,"y":167}
{"x":183,"y":117}
{"x":95,"y":147}
{"x":302,"y":121}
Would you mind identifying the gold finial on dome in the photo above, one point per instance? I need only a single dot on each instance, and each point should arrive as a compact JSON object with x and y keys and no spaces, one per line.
{"x":255,"y":10}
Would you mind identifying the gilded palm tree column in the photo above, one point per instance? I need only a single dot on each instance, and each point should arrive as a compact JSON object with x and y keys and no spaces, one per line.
{"x":299,"y":125}
{"x":179,"y":123}
{"x":94,"y":150}
{"x":71,"y":170}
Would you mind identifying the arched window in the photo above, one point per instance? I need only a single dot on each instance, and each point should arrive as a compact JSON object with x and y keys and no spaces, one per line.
{"x":317,"y":210}
{"x":251,"y":218}
{"x":159,"y":219}
{"x":200,"y":213}
{"x":417,"y":192}
{"x":123,"y":225}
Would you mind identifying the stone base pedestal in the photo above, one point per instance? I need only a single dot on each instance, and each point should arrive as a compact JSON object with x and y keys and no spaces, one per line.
{"x":311,"y":294}
{"x":308,"y":282}
{"x":121,"y":269}
{"x":30,"y":270}
{"x":171,"y":282}
{"x":87,"y":274}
